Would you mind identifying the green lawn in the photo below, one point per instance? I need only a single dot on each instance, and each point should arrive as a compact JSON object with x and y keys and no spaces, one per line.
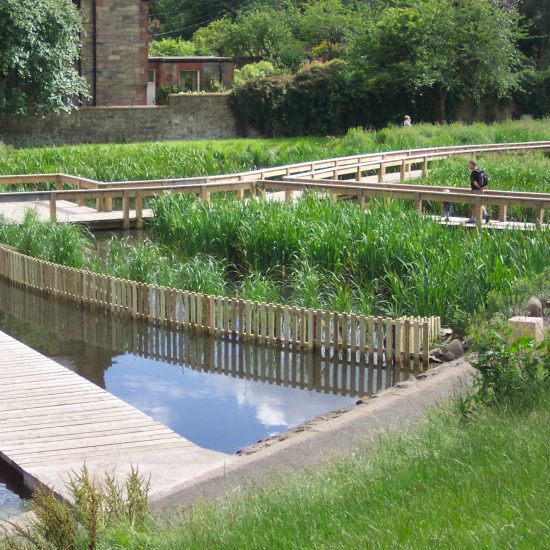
{"x":452,"y":483}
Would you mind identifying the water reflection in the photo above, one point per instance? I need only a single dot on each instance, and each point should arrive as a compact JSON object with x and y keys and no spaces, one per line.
{"x":219,"y":394}
{"x":11,"y":493}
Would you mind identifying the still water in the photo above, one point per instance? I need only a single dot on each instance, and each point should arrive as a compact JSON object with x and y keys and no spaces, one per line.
{"x":220,"y":395}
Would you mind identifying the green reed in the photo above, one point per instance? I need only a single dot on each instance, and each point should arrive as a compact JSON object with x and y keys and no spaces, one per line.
{"x":385,"y":260}
{"x":115,"y":162}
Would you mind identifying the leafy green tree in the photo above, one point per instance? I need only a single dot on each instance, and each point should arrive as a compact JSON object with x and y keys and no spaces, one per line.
{"x":175,"y":47}
{"x":39,"y":45}
{"x":184,"y":17}
{"x":439,"y":48}
{"x":326,"y":25}
{"x":537,"y":17}
{"x":263,"y":33}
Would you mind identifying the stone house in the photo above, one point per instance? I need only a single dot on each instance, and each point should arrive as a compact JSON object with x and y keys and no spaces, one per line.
{"x":190,"y":73}
{"x":114,"y":50}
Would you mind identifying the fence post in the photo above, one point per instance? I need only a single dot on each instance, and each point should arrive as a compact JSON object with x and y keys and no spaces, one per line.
{"x":126,"y":209}
{"x":53,"y":206}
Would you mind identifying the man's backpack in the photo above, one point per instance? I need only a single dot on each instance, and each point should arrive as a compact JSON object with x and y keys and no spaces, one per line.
{"x":483,"y":178}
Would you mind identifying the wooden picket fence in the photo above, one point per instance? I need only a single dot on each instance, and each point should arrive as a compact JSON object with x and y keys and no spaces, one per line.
{"x":375,"y":340}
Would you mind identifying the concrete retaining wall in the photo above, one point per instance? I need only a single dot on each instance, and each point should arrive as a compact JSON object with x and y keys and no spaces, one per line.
{"x":187,"y":116}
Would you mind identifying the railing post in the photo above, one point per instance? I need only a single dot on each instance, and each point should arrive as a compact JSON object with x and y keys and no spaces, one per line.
{"x":126,"y":209}
{"x":502,"y":212}
{"x":425,"y":167}
{"x":139,"y":210}
{"x":402,"y":170}
{"x":418,"y":202}
{"x":205,"y":195}
{"x":381,"y":172}
{"x":539,"y":214}
{"x":53,"y":206}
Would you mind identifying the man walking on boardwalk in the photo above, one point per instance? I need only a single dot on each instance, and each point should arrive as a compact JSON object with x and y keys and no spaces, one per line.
{"x":478,"y":181}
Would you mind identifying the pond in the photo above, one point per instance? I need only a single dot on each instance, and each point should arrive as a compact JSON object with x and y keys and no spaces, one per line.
{"x":220,"y":395}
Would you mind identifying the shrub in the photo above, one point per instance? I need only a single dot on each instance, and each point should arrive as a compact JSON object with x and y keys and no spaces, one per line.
{"x":511,"y":373}
{"x":164,"y":91}
{"x":253,"y":71}
{"x":534,"y":97}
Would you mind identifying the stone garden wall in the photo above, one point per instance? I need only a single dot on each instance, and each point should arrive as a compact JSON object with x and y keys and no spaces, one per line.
{"x":187,"y":116}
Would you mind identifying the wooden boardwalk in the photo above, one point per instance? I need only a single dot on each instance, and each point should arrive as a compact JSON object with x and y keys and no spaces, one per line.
{"x":68,"y":212}
{"x":52,"y":421}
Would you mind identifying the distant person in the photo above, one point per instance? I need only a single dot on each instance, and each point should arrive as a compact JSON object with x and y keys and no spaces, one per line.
{"x":478,"y":182}
{"x":447,"y":208}
{"x":407,"y":121}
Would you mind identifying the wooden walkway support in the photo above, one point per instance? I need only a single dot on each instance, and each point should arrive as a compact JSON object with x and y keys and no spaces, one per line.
{"x":52,"y":422}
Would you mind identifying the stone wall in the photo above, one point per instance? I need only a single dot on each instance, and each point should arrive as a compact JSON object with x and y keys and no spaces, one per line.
{"x":187,"y":116}
{"x":114,"y":50}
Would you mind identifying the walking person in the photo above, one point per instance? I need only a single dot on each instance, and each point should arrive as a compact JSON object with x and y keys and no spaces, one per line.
{"x":478,"y":182}
{"x":407,"y":121}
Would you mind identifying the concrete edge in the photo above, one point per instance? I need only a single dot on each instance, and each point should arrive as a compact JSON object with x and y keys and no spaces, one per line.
{"x":326,"y":439}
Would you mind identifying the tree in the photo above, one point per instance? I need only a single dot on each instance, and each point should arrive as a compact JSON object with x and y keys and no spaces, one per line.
{"x":440,"y":47}
{"x":184,"y":17}
{"x":326,"y":24}
{"x":259,"y":33}
{"x":39,"y":47}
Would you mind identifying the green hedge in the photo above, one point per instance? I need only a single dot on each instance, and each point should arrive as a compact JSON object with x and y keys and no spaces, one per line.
{"x":534,"y":98}
{"x":320,"y":99}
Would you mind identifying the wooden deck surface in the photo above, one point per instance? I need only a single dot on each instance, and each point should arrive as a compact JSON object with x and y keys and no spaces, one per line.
{"x":52,"y":421}
{"x":67,"y":212}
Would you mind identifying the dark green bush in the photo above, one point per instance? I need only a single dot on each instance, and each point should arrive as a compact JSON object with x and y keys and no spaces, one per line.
{"x":320,"y":99}
{"x":534,"y":97}
{"x":164,"y":91}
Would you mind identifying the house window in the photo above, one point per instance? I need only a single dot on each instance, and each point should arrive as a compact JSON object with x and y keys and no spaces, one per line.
{"x":151,"y":75}
{"x":189,"y":81}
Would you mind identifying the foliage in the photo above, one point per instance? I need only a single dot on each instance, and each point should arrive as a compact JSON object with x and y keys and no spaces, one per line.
{"x":258,"y":32}
{"x":175,"y":47}
{"x":183,"y":17}
{"x":61,"y":243}
{"x":439,"y":48}
{"x":96,"y":507}
{"x":534,"y":96}
{"x":511,"y":372}
{"x":252,"y":71}
{"x":336,"y":256}
{"x":39,"y":45}
{"x":314,"y":101}
{"x":164,"y":91}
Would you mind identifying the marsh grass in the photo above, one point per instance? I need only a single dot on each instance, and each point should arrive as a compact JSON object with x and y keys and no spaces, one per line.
{"x":387,"y":260}
{"x":60,"y":243}
{"x":115,"y":162}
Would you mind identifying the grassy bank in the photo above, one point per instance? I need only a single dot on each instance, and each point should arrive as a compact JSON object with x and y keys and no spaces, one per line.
{"x":453,"y":483}
{"x":193,"y":158}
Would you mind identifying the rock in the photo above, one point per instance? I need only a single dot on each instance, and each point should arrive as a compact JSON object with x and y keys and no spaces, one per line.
{"x":467,"y":344}
{"x":405,"y":385}
{"x":534,"y":307}
{"x":453,"y":350}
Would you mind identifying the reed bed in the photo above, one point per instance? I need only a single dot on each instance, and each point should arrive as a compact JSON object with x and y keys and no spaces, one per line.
{"x":387,"y":260}
{"x":115,"y":162}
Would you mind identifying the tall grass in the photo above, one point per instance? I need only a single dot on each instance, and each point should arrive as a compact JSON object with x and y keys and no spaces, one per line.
{"x":114,"y":162}
{"x":61,"y":243}
{"x":387,"y":260}
{"x":450,"y":483}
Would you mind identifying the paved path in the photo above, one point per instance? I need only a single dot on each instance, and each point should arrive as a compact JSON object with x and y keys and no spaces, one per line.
{"x":52,"y":421}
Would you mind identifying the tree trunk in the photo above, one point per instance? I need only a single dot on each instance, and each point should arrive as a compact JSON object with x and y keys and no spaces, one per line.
{"x":440,"y":98}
